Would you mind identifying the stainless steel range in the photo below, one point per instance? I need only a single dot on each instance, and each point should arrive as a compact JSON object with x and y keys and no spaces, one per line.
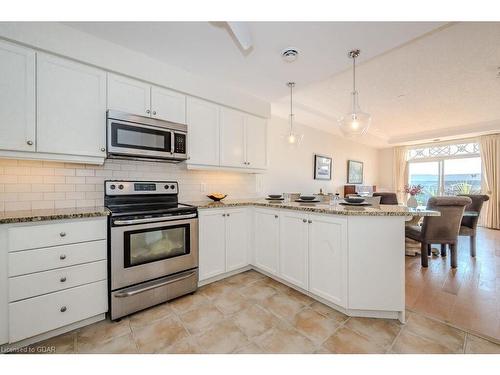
{"x":153,"y":246}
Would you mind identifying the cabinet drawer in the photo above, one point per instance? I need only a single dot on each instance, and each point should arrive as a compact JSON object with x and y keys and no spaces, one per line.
{"x":29,"y":261}
{"x":36,"y":284}
{"x":42,"y":314}
{"x":56,"y":233}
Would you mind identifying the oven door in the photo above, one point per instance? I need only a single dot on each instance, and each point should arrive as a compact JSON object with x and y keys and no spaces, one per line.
{"x":142,"y":252}
{"x":131,"y":139}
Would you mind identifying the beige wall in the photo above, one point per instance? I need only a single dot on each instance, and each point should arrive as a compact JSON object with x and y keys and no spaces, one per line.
{"x":291,"y":170}
{"x":385,"y":169}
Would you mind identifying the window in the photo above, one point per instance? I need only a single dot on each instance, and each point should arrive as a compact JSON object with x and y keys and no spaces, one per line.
{"x":445,"y":170}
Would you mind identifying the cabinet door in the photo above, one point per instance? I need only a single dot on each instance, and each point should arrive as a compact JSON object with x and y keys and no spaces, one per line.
{"x":17,"y":98}
{"x":293,"y":248}
{"x":168,"y":105}
{"x":203,"y":131}
{"x":328,"y":258}
{"x":256,"y":142}
{"x":129,"y":95}
{"x":236,"y":239}
{"x":71,"y":110}
{"x":212,"y":251}
{"x":232,"y":138}
{"x":267,"y":240}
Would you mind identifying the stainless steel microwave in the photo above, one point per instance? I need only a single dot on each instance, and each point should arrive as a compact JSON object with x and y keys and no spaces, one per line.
{"x":144,"y":138}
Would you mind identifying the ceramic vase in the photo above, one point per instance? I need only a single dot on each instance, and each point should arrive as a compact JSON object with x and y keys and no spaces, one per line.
{"x":412,"y":202}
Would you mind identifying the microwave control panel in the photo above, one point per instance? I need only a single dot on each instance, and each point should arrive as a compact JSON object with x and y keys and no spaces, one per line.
{"x":179,"y":143}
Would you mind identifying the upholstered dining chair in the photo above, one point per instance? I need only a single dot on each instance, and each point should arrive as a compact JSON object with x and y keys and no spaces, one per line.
{"x":469,"y":223}
{"x":440,"y":229}
{"x":387,"y":198}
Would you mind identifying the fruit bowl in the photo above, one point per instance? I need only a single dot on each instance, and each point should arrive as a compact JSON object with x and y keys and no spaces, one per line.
{"x":216,"y":197}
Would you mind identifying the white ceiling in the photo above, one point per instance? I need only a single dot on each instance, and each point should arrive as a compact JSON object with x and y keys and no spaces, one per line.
{"x":418,"y":82}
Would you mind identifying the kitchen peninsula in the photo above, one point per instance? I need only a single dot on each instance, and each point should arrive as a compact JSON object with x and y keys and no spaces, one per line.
{"x":350,"y":258}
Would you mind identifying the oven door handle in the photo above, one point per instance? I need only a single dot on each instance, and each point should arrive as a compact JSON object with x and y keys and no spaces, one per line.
{"x":154,"y":219}
{"x":153,"y":285}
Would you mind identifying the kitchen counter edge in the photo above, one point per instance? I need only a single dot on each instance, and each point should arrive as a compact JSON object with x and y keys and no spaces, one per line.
{"x":25,"y":216}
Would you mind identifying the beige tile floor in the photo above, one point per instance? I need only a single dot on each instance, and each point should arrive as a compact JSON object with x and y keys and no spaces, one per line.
{"x":251,"y":313}
{"x":467,"y":297}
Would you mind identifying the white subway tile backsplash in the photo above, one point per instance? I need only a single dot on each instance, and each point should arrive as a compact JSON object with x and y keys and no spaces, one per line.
{"x":26,"y":184}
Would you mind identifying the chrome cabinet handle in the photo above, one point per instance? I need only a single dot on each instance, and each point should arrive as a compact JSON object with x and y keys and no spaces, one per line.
{"x":30,"y":143}
{"x":62,"y":279}
{"x":309,"y":221}
{"x":62,"y":256}
{"x":304,"y":220}
{"x":62,"y":234}
{"x":63,"y":309}
{"x":275,"y":216}
{"x":148,"y":111}
{"x":224,"y":215}
{"x":228,"y":215}
{"x":154,"y":112}
{"x":103,"y":149}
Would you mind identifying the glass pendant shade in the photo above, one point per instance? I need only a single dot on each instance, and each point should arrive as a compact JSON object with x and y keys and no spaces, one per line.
{"x":356,"y":122}
{"x":292,"y":137}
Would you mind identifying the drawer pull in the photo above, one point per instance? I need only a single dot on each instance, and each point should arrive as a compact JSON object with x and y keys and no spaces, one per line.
{"x":62,"y":256}
{"x":63,"y":309}
{"x":62,"y":234}
{"x":63,"y":279}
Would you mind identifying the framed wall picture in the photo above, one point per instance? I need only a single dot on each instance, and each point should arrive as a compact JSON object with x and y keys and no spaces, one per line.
{"x":354,"y":172}
{"x":322,"y":167}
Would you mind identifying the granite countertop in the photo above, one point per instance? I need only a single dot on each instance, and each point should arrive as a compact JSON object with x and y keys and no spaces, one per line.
{"x":380,"y":210}
{"x":10,"y":217}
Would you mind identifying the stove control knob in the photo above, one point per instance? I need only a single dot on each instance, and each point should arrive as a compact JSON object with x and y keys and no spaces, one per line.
{"x":120,"y":187}
{"x":166,"y":187}
{"x":172,"y":186}
{"x":112,"y":187}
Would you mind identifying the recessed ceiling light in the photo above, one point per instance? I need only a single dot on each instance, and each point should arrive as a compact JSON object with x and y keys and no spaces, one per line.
{"x":289,"y":54}
{"x":401,"y":95}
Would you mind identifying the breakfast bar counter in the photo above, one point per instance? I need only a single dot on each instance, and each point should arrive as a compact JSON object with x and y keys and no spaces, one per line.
{"x":322,"y":208}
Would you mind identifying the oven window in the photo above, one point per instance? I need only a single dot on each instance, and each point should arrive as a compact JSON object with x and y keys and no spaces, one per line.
{"x":150,"y":245}
{"x":140,"y":138}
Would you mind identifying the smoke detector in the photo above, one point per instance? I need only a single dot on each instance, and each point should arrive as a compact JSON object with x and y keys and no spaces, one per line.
{"x":289,"y":54}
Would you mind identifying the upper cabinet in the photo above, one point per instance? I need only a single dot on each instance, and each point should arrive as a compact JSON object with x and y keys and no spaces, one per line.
{"x":71,"y":107}
{"x":129,"y":95}
{"x":232,"y":139}
{"x":17,"y":98}
{"x":256,"y":142}
{"x":203,"y":132}
{"x":139,"y":98}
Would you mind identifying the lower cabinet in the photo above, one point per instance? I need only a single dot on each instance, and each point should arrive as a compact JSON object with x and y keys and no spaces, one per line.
{"x":328,"y":258}
{"x":223,"y":241}
{"x":293,"y":252}
{"x":266,"y":242}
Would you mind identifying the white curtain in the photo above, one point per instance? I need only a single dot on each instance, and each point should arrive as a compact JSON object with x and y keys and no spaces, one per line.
{"x":489,"y":148}
{"x":400,"y":175}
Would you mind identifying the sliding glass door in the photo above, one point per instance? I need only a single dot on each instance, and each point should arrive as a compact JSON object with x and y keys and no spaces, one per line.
{"x":425,"y":174}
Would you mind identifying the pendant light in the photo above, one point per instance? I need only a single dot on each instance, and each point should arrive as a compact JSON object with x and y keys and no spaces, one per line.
{"x":292,"y":138}
{"x":356,"y":122}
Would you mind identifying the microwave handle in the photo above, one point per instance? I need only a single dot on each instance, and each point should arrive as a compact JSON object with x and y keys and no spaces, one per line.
{"x":172,"y":142}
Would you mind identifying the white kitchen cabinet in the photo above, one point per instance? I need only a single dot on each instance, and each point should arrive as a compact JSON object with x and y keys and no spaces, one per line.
{"x":293,"y":254}
{"x":129,"y":95}
{"x":212,"y":253}
{"x":232,"y":138}
{"x":223,"y":244}
{"x":17,"y":98}
{"x":266,"y":240}
{"x":203,"y":130}
{"x":168,"y":105}
{"x":143,"y":99}
{"x":71,"y":107}
{"x":256,"y":142}
{"x":236,"y":239}
{"x":328,"y":258}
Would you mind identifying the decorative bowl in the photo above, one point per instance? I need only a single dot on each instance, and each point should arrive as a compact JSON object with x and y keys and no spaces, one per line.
{"x":307,"y":197}
{"x":354,"y":199}
{"x":217,"y":198}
